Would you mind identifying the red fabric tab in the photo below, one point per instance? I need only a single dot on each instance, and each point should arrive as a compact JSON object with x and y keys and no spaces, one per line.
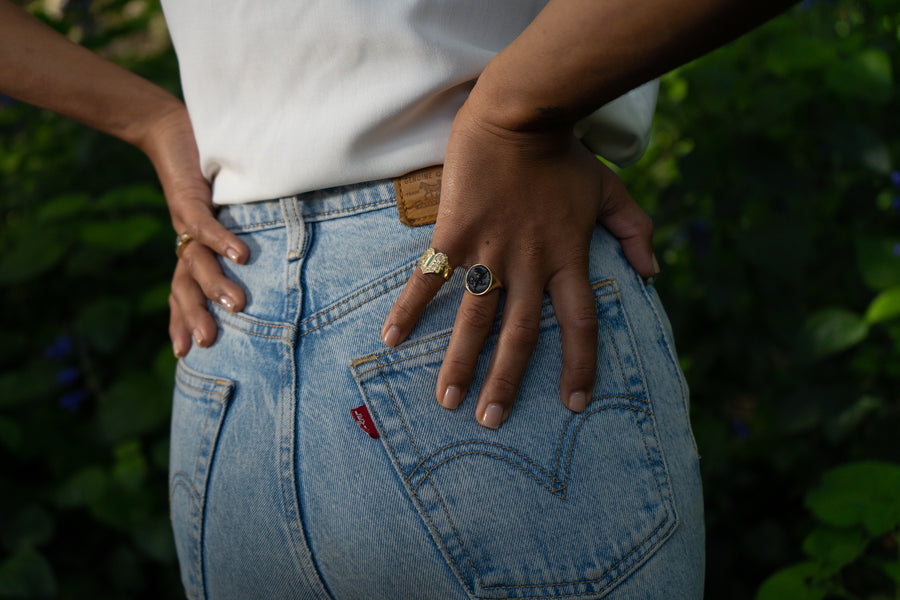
{"x":364,"y":420}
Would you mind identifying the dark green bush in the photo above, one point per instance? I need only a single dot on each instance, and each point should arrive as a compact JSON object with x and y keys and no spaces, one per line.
{"x":773,"y":183}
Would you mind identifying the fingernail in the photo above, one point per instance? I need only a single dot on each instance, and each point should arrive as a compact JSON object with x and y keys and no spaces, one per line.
{"x":198,"y":337}
{"x":178,"y":352}
{"x":493,"y":416}
{"x":577,"y":401}
{"x":227,"y":303}
{"x":655,"y":266}
{"x":232,"y":254}
{"x":452,"y":397}
{"x":392,"y":336}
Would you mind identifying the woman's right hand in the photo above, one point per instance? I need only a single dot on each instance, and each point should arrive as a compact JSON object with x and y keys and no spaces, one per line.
{"x":171,"y":146}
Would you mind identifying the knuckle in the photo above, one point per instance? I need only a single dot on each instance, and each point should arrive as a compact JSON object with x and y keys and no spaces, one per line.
{"x":476,"y":314}
{"x":522,"y":333}
{"x":583,"y":322}
{"x":504,"y":387}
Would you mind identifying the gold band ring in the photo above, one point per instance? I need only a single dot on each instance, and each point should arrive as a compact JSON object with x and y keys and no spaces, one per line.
{"x":181,"y":241}
{"x":435,"y":262}
{"x":480,"y":280}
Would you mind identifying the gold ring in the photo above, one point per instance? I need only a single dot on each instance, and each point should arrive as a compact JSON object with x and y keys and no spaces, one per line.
{"x":181,"y":241}
{"x":435,"y":262}
{"x":480,"y":280}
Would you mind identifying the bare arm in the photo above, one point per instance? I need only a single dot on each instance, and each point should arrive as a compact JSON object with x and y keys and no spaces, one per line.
{"x":520,"y":195}
{"x":579,"y":54}
{"x":41,"y":67}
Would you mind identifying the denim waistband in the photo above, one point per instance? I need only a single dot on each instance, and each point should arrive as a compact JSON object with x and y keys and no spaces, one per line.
{"x":320,"y":205}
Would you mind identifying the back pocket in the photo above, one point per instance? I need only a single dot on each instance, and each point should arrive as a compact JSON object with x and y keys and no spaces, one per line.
{"x":551,"y":505}
{"x":198,"y":409}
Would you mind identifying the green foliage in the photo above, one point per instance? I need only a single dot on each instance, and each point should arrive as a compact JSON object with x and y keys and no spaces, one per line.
{"x":774,"y":184}
{"x":85,"y":367}
{"x":857,"y":506}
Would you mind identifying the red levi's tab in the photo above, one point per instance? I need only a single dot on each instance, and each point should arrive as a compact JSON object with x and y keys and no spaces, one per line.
{"x":364,"y":420}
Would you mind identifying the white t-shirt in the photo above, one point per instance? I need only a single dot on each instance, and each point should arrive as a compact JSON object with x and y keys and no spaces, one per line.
{"x":289,"y":96}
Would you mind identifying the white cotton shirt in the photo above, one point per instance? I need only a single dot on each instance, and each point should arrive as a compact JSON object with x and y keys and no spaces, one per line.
{"x":290,"y":96}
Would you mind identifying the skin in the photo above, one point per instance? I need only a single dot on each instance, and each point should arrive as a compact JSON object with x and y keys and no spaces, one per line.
{"x":41,"y":67}
{"x":519,"y":193}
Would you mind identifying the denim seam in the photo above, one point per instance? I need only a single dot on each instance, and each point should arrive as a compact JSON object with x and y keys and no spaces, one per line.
{"x":358,"y":208}
{"x":399,"y":414}
{"x":289,"y":329}
{"x":458,"y":539}
{"x":198,"y":498}
{"x":557,"y":491}
{"x":670,"y":354}
{"x":351,"y":309}
{"x":256,"y":227}
{"x":583,"y":581}
{"x":616,"y":348}
{"x":667,"y":497}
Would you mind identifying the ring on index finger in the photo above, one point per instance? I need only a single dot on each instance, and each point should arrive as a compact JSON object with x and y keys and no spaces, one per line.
{"x":480,"y":280}
{"x":435,"y":262}
{"x":181,"y":241}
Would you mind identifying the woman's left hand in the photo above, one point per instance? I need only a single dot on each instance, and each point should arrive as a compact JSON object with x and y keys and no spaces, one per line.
{"x":525,"y":204}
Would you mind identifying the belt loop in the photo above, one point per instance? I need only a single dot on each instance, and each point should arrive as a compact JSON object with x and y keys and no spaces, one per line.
{"x":296,"y":228}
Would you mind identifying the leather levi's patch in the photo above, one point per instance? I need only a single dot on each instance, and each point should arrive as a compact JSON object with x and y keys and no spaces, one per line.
{"x":418,"y":194}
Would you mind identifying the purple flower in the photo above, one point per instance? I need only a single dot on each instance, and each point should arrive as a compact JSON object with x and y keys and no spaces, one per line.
{"x":895,"y":178}
{"x":897,"y":249}
{"x":72,"y":400}
{"x":59,"y":348}
{"x":67,"y":376}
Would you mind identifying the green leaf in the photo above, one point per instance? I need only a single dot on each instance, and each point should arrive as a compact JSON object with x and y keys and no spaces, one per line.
{"x":832,"y":330}
{"x":885,"y":306}
{"x":891,"y":569}
{"x":27,"y":574}
{"x":137,"y":403}
{"x":30,"y":257}
{"x":863,"y":493}
{"x":104,"y":322}
{"x":30,"y":527}
{"x":878,"y":265}
{"x":865,"y":76}
{"x":792,"y":583}
{"x":11,"y":435}
{"x":84,"y":488}
{"x":835,"y":547}
{"x":122,"y":235}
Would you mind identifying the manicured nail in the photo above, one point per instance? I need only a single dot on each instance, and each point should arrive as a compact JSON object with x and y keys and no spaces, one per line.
{"x":655,"y":266}
{"x":493,"y":416}
{"x":452,"y":397}
{"x":178,"y":352}
{"x":232,"y":254}
{"x":392,"y":336}
{"x":227,"y":303}
{"x":577,"y":401}
{"x":198,"y":337}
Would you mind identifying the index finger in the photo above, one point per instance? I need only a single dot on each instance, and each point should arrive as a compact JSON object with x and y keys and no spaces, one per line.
{"x":419,"y":290}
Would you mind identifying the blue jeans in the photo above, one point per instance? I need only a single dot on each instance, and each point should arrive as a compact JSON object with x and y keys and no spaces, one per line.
{"x":280,"y":488}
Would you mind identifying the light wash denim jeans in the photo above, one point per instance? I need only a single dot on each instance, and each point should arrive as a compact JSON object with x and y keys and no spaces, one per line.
{"x":278,"y":491}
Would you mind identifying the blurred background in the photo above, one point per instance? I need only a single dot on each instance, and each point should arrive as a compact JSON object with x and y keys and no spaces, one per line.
{"x":774,"y":183}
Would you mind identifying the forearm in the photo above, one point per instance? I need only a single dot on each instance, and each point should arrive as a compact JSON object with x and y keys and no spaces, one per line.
{"x":579,"y":54}
{"x":43,"y":68}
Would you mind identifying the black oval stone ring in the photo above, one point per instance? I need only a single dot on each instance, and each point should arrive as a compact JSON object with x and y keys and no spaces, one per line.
{"x":480,"y":280}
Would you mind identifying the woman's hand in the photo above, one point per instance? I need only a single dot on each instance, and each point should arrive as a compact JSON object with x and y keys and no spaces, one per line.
{"x":525,"y":204}
{"x":171,"y":146}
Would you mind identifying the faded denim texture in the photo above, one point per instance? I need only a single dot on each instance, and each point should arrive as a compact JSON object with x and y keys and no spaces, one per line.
{"x":277,"y":492}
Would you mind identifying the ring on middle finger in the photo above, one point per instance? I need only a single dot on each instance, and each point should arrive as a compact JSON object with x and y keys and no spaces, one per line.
{"x":435,"y":262}
{"x":480,"y":280}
